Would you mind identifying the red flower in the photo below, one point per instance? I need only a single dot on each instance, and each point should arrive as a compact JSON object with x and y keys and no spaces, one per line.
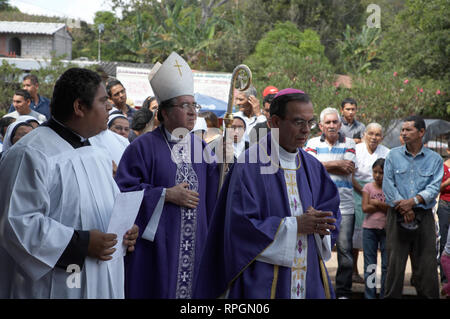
{"x":438,"y":92}
{"x":395,"y":73}
{"x":406,"y":81}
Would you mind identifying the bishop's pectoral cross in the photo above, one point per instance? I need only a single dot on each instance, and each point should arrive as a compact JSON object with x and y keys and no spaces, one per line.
{"x":178,"y":66}
{"x":292,"y":185}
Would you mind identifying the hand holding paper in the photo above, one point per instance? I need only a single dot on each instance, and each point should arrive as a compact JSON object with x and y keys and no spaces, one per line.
{"x":126,"y":208}
{"x":129,"y":239}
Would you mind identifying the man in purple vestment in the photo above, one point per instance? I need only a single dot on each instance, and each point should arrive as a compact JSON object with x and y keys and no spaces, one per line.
{"x":253,"y":237}
{"x":180,"y":191}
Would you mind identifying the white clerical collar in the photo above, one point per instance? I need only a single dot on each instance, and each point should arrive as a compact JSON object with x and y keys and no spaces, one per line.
{"x":287,"y":156}
{"x":170,"y":137}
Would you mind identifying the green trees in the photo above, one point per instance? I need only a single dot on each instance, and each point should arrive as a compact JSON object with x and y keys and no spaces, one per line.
{"x":359,"y":52}
{"x":419,"y":40}
{"x":291,"y":43}
{"x":286,"y":57}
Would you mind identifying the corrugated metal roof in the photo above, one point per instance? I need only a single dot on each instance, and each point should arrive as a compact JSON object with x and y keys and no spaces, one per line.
{"x":30,"y":27}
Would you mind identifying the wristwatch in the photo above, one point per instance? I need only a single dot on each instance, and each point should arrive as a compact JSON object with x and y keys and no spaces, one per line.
{"x":416,"y":201}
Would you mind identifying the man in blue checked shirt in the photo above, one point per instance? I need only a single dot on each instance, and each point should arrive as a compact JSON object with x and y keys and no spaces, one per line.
{"x":411,"y":183}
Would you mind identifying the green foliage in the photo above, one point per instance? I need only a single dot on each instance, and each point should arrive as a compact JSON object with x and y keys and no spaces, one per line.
{"x":359,"y":52}
{"x":11,"y":78}
{"x":286,"y":57}
{"x":327,"y":17}
{"x":281,"y":45}
{"x":49,"y":72}
{"x":16,"y":15}
{"x":9,"y":82}
{"x":289,"y":43}
{"x":418,"y":43}
{"x":5,"y":6}
{"x":383,"y":96}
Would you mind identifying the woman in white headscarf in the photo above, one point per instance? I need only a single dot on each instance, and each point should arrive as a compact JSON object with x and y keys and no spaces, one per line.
{"x":118,"y":123}
{"x":17,"y":130}
{"x":239,"y":127}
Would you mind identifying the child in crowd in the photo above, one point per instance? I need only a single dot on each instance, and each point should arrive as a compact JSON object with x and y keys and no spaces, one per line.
{"x":374,"y":234}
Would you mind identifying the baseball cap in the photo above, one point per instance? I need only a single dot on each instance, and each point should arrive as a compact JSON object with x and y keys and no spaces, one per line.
{"x":270,"y":90}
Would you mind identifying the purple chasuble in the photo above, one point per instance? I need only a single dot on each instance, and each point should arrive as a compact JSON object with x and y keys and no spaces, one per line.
{"x":165,"y":267}
{"x":249,"y":211}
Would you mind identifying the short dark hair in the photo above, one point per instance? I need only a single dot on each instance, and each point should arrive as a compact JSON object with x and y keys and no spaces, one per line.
{"x":141,"y":118}
{"x":379,"y":162}
{"x":268,"y":98}
{"x":278,"y":105}
{"x":33,"y":78}
{"x":210,"y":118}
{"x":75,"y":83}
{"x":4,"y":123}
{"x":14,"y":131}
{"x":419,"y":122}
{"x":111,"y":84}
{"x":148,"y":101}
{"x":26,"y":95}
{"x":348,"y":100}
{"x":167,"y":104}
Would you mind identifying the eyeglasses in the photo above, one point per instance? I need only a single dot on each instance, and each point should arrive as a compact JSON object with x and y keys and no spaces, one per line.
{"x":189,"y":106}
{"x":121,"y":128}
{"x":303,"y":124}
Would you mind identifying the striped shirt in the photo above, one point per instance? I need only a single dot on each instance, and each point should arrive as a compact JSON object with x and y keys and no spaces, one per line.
{"x":343,"y":149}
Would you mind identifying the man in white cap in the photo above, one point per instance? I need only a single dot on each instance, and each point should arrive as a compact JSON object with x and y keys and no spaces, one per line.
{"x":180,"y":191}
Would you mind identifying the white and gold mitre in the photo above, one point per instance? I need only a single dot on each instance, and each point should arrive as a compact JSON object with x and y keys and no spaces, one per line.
{"x":171,"y":79}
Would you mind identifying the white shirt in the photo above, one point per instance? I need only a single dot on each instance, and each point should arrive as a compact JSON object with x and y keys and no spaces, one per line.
{"x":364,"y":160}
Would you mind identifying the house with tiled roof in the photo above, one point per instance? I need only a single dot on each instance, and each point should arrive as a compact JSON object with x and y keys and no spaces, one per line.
{"x":34,"y":39}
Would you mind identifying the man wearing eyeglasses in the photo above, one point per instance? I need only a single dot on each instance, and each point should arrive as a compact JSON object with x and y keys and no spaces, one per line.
{"x":180,"y":190}
{"x":271,"y":232}
{"x":337,"y":154}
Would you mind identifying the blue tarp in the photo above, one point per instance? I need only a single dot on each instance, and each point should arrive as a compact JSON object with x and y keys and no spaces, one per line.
{"x":209,"y":103}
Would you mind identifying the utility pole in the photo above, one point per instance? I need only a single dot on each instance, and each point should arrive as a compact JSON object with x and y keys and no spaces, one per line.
{"x":101,"y":27}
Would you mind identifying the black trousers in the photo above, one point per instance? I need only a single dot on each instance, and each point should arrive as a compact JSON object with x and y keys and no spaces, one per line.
{"x":420,"y":246}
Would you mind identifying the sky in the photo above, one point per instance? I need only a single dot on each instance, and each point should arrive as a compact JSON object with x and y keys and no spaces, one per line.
{"x":82,"y":9}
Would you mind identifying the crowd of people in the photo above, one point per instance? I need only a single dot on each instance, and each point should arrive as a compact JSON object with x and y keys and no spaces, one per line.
{"x":222,"y":224}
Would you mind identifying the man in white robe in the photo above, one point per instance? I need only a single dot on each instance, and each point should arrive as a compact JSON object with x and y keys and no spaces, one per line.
{"x":57,"y":198}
